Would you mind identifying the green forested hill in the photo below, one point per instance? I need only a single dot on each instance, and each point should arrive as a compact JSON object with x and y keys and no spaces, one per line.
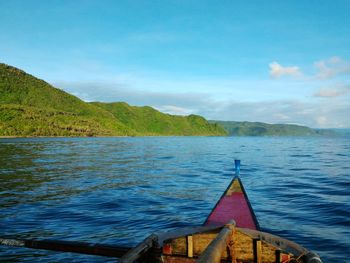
{"x":146,"y":120}
{"x":263,"y":129}
{"x":32,"y":107}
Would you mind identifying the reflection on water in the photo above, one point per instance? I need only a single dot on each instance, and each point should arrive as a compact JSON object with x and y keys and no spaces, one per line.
{"x":119,"y":190}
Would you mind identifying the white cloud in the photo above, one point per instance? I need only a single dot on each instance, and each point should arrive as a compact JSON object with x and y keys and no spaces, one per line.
{"x":227,"y":99}
{"x":333,"y":92}
{"x":170,"y":102}
{"x":175,"y":110}
{"x":277,"y":70}
{"x":282,"y":117}
{"x":83,"y":96}
{"x":321,"y":120}
{"x":314,"y":113}
{"x":332,"y":67}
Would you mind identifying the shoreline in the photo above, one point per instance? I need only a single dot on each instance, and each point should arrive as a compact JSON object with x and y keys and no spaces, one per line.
{"x":112,"y":136}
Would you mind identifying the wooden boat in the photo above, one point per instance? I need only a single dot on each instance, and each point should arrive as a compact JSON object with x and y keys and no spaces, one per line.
{"x":231,"y":233}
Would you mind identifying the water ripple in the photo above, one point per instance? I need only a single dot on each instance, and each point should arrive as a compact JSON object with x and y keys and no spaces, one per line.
{"x":119,"y":190}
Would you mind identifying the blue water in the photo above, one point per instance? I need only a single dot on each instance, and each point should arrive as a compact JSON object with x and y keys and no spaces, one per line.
{"x":119,"y":190}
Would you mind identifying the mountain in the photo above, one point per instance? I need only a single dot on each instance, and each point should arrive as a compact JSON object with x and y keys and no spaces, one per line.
{"x":263,"y":129}
{"x":32,"y":107}
{"x":146,"y":120}
{"x":340,"y":132}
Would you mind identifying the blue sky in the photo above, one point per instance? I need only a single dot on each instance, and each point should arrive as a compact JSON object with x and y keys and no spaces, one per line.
{"x":271,"y":61}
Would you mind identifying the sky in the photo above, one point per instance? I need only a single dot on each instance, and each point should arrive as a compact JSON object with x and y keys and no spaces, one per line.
{"x":268,"y":61}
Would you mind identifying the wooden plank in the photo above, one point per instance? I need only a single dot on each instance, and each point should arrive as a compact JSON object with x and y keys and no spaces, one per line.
{"x":202,"y":241}
{"x":257,"y":251}
{"x":278,"y":256}
{"x":190,"y":246}
{"x":139,"y":250}
{"x":177,"y":259}
{"x":243,"y":246}
{"x":186,"y":231}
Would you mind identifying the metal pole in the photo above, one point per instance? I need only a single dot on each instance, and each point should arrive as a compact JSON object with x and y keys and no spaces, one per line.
{"x":237,"y":167}
{"x":213,"y":252}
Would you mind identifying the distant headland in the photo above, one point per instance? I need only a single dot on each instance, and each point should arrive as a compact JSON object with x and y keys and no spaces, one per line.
{"x":245,"y":128}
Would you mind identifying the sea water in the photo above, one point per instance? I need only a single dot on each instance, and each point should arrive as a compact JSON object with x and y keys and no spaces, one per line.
{"x":120,"y":190}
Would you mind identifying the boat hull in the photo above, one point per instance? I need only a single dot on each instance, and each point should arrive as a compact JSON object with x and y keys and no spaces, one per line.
{"x":234,"y":205}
